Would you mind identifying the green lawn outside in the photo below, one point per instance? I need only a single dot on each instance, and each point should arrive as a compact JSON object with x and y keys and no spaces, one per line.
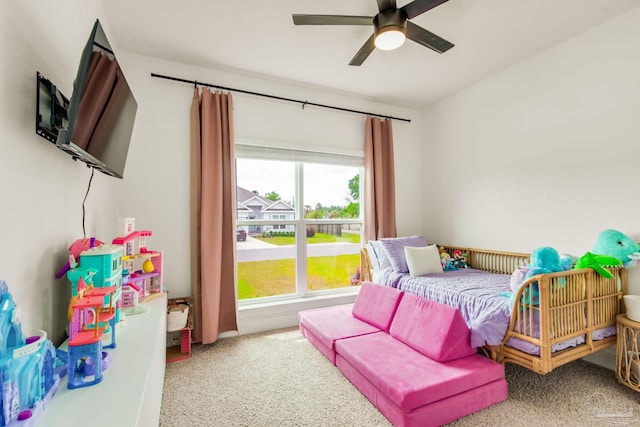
{"x":277,"y":277}
{"x":318,"y":238}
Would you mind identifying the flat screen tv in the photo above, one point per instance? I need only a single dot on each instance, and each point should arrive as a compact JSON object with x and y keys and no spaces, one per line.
{"x":96,"y":123}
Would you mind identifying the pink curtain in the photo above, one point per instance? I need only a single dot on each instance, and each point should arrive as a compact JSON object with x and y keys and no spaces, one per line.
{"x":213,"y":202}
{"x":379,"y":182}
{"x":103,"y":75}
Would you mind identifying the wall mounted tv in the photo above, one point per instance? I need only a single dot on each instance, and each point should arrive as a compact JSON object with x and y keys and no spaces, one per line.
{"x":96,"y":123}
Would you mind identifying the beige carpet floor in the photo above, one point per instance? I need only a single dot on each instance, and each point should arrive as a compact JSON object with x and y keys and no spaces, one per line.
{"x":279,"y":379}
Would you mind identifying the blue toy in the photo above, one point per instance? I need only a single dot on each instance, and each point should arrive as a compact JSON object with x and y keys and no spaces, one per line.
{"x":616,"y":244}
{"x":612,"y":249}
{"x":446,"y":261}
{"x":542,"y":261}
{"x":27,"y":367}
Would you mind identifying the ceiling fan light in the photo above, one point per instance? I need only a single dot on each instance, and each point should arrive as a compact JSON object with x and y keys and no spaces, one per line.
{"x":390,"y":39}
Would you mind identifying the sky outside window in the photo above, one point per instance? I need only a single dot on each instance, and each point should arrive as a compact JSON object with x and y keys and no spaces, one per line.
{"x":324,"y":184}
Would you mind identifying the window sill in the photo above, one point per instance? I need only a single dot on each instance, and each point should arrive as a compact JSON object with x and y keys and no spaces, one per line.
{"x":271,"y":315}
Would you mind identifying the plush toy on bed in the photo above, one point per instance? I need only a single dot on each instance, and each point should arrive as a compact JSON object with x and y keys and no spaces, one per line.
{"x":547,"y":260}
{"x":542,"y":260}
{"x":616,"y":244}
{"x":455,"y":262}
{"x":459,"y":259}
{"x":446,"y":261}
{"x":612,"y":249}
{"x":598,"y":263}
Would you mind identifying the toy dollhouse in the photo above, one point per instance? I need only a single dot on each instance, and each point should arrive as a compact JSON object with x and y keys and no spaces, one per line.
{"x":90,"y":316}
{"x":27,"y":368}
{"x":126,"y":263}
{"x":106,"y":260}
{"x":110,"y":278}
{"x":142,"y":271}
{"x":83,"y":289}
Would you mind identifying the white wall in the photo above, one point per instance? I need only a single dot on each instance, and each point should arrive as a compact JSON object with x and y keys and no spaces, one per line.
{"x":157,"y":186}
{"x":544,"y":153}
{"x":41,"y":187}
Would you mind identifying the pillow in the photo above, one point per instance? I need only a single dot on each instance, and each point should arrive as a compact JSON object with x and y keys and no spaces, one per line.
{"x":394,"y":249}
{"x":373,"y":257}
{"x":423,"y":261}
{"x":378,"y":257}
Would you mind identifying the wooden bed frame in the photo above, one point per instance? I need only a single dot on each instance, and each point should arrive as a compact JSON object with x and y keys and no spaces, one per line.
{"x":571,"y":303}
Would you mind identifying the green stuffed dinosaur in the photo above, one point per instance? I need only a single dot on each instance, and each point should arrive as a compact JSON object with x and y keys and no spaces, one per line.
{"x":598,"y":262}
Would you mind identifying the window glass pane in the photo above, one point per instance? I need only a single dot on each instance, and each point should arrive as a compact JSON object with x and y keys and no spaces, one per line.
{"x":263,"y":152}
{"x":266,"y":260}
{"x":270,"y":261}
{"x":266,"y":255}
{"x":333,"y":256}
{"x":331,"y":191}
{"x":260,"y":184}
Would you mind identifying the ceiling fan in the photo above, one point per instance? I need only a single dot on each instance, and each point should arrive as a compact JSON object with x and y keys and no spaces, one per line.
{"x":391,"y":26}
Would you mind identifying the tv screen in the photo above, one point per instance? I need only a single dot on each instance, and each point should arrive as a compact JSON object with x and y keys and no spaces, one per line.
{"x":101,"y":111}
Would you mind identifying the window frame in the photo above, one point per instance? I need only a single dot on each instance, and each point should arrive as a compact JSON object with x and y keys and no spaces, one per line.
{"x":299,"y":158}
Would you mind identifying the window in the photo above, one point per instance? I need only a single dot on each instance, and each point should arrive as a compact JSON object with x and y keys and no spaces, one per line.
{"x":302,"y":214}
{"x":279,"y":226}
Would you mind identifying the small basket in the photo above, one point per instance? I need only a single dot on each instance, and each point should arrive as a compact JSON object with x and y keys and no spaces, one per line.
{"x":177,"y":316}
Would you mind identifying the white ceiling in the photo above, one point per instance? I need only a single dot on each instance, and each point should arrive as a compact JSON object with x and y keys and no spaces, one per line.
{"x":259,"y":36}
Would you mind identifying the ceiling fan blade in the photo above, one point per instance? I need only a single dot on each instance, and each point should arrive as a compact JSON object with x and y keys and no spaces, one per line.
{"x":427,"y":38}
{"x":417,"y":7}
{"x":386,"y":4}
{"x":331,"y":20}
{"x":364,"y":52}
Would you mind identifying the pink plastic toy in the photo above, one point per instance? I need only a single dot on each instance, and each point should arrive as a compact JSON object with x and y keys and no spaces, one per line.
{"x":90,"y":317}
{"x":76,"y":249}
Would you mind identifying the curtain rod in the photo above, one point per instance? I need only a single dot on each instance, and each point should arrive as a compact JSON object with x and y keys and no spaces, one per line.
{"x":304,"y":103}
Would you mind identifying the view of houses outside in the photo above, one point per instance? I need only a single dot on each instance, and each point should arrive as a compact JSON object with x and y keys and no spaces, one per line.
{"x":286,"y":249}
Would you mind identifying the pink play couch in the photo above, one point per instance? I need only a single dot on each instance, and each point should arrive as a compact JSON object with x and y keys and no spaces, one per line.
{"x":409,"y":356}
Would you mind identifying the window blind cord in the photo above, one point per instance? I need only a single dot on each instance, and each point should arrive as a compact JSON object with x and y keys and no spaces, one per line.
{"x":84,"y":233}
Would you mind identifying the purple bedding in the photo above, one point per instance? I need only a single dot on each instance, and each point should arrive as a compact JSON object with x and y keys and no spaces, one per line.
{"x":474,"y":292}
{"x":477,"y":294}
